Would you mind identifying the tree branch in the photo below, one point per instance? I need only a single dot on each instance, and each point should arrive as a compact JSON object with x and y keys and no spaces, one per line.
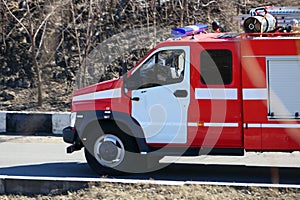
{"x":4,"y":2}
{"x":41,"y":41}
{"x":43,"y":22}
{"x":208,"y":4}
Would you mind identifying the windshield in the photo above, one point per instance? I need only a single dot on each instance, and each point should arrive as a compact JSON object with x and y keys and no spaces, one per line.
{"x":163,"y":68}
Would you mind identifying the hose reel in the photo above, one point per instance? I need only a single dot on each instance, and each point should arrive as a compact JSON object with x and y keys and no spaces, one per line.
{"x":260,"y":22}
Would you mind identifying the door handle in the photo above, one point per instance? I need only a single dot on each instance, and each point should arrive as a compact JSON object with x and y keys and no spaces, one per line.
{"x":180,"y":93}
{"x":135,"y":98}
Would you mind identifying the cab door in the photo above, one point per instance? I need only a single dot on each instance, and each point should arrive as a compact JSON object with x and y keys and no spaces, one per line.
{"x":216,"y":109}
{"x":161,"y":95}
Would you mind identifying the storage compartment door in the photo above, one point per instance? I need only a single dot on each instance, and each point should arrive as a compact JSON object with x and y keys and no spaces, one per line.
{"x":283,"y":87}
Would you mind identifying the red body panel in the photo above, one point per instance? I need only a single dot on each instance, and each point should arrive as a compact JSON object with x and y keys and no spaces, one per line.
{"x":254,"y":76}
{"x":246,"y":122}
{"x":121,"y":104}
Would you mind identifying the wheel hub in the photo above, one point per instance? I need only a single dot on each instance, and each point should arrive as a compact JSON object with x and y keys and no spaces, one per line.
{"x":108,"y":151}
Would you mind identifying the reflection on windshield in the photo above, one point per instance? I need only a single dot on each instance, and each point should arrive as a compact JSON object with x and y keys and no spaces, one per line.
{"x":163,"y":68}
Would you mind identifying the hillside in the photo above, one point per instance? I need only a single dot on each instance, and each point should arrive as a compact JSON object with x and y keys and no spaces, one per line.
{"x":49,"y":48}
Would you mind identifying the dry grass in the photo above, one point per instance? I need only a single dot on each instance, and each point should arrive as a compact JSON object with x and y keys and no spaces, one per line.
{"x":148,"y":191}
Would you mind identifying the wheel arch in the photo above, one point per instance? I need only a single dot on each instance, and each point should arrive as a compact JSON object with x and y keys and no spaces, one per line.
{"x":121,"y":121}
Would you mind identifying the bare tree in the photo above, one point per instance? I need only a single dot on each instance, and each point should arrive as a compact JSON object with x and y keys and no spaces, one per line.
{"x":2,"y":19}
{"x":89,"y":35}
{"x":35,"y":29}
{"x":77,"y":38}
{"x":153,"y":6}
{"x":84,"y":27}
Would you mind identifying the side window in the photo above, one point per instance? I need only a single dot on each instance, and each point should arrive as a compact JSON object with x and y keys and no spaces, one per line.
{"x":216,"y":67}
{"x":163,"y":68}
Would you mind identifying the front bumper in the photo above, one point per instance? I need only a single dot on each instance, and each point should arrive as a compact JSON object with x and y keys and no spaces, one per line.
{"x":70,"y":136}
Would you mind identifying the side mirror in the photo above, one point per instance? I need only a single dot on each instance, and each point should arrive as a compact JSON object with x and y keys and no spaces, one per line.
{"x":124,"y":67}
{"x":124,"y":74}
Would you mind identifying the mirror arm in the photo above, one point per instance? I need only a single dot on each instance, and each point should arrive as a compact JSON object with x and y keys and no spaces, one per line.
{"x":124,"y":67}
{"x":124,"y":74}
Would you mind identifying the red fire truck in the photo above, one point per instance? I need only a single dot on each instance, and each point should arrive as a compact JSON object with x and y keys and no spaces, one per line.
{"x":197,"y":93}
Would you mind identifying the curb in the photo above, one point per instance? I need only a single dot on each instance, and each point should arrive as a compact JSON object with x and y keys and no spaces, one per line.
{"x":33,"y":122}
{"x":38,"y":185}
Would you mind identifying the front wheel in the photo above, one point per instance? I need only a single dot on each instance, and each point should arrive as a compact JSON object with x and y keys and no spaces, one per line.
{"x":112,"y":154}
{"x":109,"y":151}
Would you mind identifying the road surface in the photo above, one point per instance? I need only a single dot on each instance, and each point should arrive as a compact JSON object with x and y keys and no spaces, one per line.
{"x":47,"y":157}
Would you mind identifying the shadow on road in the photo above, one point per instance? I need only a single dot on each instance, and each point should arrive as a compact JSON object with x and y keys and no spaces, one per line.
{"x":174,"y":172}
{"x":221,"y":173}
{"x":70,"y":169}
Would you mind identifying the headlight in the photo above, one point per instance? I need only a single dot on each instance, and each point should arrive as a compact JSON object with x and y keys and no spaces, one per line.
{"x":73,"y":119}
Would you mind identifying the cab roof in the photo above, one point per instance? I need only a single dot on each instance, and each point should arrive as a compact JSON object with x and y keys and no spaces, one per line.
{"x":229,"y":36}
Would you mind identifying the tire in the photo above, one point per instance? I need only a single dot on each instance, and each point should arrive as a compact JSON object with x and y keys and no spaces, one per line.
{"x":113,"y":152}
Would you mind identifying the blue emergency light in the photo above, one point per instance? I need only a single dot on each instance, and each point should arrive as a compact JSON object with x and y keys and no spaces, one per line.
{"x":189,"y":30}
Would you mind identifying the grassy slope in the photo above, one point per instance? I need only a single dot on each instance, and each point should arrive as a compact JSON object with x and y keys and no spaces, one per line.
{"x":140,"y":191}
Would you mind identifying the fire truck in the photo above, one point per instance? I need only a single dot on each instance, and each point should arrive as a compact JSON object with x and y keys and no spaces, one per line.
{"x":197,"y":93}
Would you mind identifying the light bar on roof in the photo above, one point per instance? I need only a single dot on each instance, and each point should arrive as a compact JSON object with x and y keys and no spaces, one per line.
{"x":189,"y":30}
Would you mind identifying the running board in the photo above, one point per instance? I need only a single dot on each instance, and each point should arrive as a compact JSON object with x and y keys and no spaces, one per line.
{"x":174,"y":151}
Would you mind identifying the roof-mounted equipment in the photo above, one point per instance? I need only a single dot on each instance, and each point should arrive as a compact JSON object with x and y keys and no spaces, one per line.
{"x":269,"y":19}
{"x":260,"y":22}
{"x":189,"y":30}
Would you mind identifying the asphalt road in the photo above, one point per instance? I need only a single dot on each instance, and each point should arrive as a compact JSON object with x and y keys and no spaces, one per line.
{"x":46,"y":157}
